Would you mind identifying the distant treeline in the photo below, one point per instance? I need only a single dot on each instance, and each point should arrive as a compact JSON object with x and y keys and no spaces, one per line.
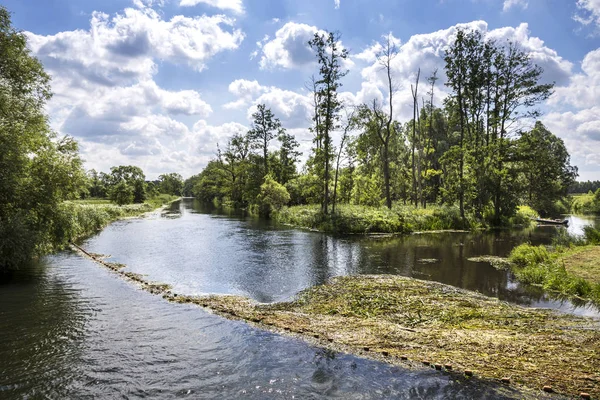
{"x":584,"y":187}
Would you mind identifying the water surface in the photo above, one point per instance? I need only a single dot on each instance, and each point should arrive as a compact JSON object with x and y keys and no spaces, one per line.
{"x":71,"y":329}
{"x":199,"y":251}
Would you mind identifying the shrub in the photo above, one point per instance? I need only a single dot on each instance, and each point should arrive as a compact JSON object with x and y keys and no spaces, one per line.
{"x":272,"y":196}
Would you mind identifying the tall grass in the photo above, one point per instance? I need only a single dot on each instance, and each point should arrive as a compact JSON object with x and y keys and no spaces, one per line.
{"x":364,"y":219}
{"x":541,"y":266}
{"x":81,"y":218}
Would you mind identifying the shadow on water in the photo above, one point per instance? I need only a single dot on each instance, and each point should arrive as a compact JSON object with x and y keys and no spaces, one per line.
{"x":205,"y":250}
{"x":70,"y":329}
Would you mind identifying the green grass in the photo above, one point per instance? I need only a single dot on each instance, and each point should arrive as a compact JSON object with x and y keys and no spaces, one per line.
{"x":81,"y":218}
{"x":571,"y":271}
{"x":400,"y":219}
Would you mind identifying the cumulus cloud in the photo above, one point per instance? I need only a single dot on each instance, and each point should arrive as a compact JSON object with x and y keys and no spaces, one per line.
{"x":289,"y":48}
{"x":121,"y":49}
{"x":426,"y":51}
{"x":336,"y":4}
{"x":233,"y":5}
{"x":119,"y":113}
{"x":245,"y":91}
{"x":580,"y":126}
{"x":583,"y":89}
{"x":588,"y":13}
{"x":508,"y":4}
{"x":105,"y":93}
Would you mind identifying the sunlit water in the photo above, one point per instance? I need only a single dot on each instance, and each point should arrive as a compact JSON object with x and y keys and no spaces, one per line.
{"x":199,"y":251}
{"x":72,"y":329}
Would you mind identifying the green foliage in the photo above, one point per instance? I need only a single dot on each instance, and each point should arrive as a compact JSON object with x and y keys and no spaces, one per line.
{"x":38,"y":171}
{"x":133,"y":177}
{"x":330,"y":56}
{"x":121,"y":193}
{"x":273,"y":196}
{"x":586,"y":203}
{"x":592,"y":235}
{"x":364,"y":219}
{"x":537,"y":266}
{"x":546,"y":169}
{"x":524,"y":216}
{"x":171,"y":184}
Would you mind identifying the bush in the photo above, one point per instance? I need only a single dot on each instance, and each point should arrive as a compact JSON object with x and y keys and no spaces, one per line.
{"x":524,"y":216}
{"x":592,"y":235}
{"x":272,"y":196}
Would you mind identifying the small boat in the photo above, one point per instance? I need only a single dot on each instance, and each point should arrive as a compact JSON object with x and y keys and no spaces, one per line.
{"x":552,"y":221}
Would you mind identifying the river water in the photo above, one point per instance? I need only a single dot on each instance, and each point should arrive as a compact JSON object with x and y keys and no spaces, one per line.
{"x":72,"y":329}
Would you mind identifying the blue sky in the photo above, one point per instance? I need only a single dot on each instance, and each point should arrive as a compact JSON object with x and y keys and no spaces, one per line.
{"x":158,"y":83}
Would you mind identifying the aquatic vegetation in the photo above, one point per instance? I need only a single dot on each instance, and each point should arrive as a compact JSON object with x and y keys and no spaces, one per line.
{"x":495,"y":261}
{"x":404,"y":320}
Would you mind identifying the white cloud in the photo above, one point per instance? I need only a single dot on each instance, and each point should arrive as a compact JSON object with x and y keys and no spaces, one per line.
{"x":123,"y":48}
{"x":426,"y":51}
{"x":336,"y":3}
{"x":234,"y":5}
{"x":588,"y":12}
{"x":245,"y":91}
{"x":580,"y":126}
{"x":289,"y":48}
{"x":583,"y":90}
{"x":508,"y":4}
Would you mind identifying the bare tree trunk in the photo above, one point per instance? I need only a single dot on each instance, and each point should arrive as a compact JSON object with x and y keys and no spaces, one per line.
{"x":414,"y":138}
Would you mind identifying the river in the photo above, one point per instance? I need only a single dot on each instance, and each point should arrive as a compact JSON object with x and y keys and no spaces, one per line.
{"x":72,"y":329}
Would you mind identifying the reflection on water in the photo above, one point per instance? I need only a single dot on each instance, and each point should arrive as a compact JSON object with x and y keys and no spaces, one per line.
{"x":69,"y":329}
{"x":203,"y":251}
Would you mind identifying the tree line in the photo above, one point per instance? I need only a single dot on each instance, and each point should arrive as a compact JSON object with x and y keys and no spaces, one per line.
{"x":470,"y":150}
{"x":127,"y":184}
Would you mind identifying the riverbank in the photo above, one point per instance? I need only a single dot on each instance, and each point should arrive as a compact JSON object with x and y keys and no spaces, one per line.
{"x":353,"y":219}
{"x":408,"y":322}
{"x":569,"y":270}
{"x":82,"y":218}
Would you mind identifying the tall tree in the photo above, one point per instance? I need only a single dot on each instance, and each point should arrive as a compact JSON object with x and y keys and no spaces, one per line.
{"x":38,"y":171}
{"x":330,"y":57}
{"x":265,"y":127}
{"x":415,"y":93}
{"x":385,"y":57}
{"x":546,"y":169}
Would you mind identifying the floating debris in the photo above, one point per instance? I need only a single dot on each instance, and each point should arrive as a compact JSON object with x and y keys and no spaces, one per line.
{"x":500,"y":263}
{"x":428,"y":260}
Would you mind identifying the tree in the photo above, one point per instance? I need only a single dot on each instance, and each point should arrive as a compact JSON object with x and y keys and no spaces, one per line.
{"x":171,"y":183}
{"x":273,"y":196}
{"x":385,"y":57}
{"x":132,"y":176}
{"x":494,"y":86}
{"x":287,"y":156}
{"x":546,"y":169}
{"x":38,"y":171}
{"x":264,"y":129}
{"x":327,"y":105}
{"x":121,"y":193}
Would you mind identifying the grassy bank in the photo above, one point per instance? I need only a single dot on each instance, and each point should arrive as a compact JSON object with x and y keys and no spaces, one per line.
{"x":572,"y":271}
{"x":408,"y":321}
{"x":400,"y":219}
{"x":81,"y":218}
